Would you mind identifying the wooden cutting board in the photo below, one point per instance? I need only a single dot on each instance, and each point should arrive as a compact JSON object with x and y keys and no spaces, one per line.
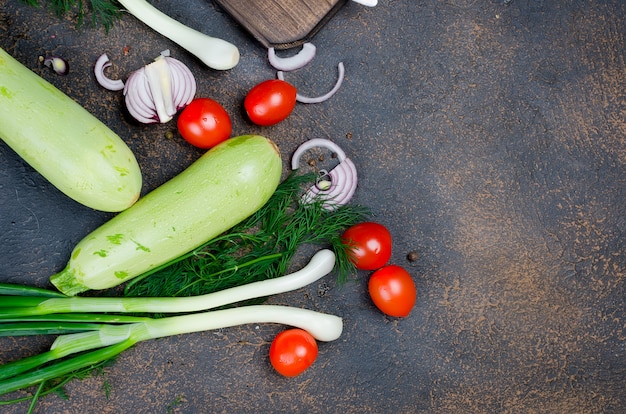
{"x":282,"y":24}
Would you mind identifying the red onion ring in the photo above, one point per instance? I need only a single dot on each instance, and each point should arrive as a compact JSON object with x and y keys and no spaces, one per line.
{"x":343,"y":177}
{"x":343,"y":186}
{"x":314,"y":143}
{"x":326,"y":96}
{"x":101,"y":64}
{"x":301,"y":59}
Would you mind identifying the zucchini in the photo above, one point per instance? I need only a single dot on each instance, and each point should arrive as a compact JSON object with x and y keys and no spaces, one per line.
{"x":65,"y":143}
{"x":223,"y":187}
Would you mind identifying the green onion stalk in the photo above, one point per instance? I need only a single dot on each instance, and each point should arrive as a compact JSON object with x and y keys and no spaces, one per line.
{"x":110,"y":340}
{"x":90,"y":338}
{"x":18,"y":307}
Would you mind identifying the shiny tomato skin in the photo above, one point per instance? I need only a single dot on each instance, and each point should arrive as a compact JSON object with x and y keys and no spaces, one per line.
{"x":204,"y":123}
{"x":293,"y":351}
{"x":370,"y":245}
{"x":270,"y":102}
{"x":393,"y":291}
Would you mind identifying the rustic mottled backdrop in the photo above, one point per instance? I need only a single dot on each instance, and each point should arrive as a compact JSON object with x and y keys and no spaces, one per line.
{"x":490,"y":137}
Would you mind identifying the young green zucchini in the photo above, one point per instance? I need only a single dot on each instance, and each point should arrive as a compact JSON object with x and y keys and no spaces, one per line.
{"x":66,"y":144}
{"x":222,"y":188}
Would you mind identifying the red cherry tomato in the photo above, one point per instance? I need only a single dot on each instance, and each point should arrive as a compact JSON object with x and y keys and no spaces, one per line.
{"x":370,"y":245}
{"x":293,"y":351}
{"x":204,"y":123}
{"x":270,"y":102}
{"x":392,"y":290}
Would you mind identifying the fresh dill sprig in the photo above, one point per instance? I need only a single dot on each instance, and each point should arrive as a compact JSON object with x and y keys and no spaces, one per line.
{"x":261,"y":247}
{"x":102,"y":12}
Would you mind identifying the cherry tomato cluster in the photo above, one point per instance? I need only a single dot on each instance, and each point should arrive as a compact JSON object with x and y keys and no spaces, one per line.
{"x":205,"y":123}
{"x":391,"y":287}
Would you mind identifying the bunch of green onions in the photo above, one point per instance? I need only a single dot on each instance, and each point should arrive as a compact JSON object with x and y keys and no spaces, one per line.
{"x":95,"y":329}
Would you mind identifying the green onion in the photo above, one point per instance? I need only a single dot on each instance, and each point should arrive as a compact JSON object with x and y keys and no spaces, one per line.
{"x":112,"y":339}
{"x":320,"y":265}
{"x":76,"y":317}
{"x":90,"y":338}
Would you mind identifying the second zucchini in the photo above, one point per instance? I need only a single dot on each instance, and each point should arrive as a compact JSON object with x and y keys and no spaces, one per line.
{"x":222,"y":188}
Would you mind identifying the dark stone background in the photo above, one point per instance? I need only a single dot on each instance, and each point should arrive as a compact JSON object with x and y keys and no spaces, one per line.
{"x":490,"y":137}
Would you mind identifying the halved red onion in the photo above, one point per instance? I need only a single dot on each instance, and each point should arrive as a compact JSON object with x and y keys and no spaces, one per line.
{"x":286,"y":64}
{"x":158,"y":90}
{"x":326,"y":96}
{"x":343,"y":178}
{"x":102,"y":63}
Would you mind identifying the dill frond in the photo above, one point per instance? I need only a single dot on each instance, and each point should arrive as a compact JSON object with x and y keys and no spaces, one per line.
{"x":100,"y":12}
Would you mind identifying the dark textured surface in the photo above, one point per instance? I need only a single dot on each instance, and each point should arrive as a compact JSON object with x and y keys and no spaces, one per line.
{"x":490,"y":137}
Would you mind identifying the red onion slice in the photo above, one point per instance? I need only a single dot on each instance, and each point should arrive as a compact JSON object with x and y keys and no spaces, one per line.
{"x":138,"y":98}
{"x":184,"y":89}
{"x":178,"y":82}
{"x":101,"y":64}
{"x":343,"y":177}
{"x":287,"y":64}
{"x":326,"y":96}
{"x":190,"y":89}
